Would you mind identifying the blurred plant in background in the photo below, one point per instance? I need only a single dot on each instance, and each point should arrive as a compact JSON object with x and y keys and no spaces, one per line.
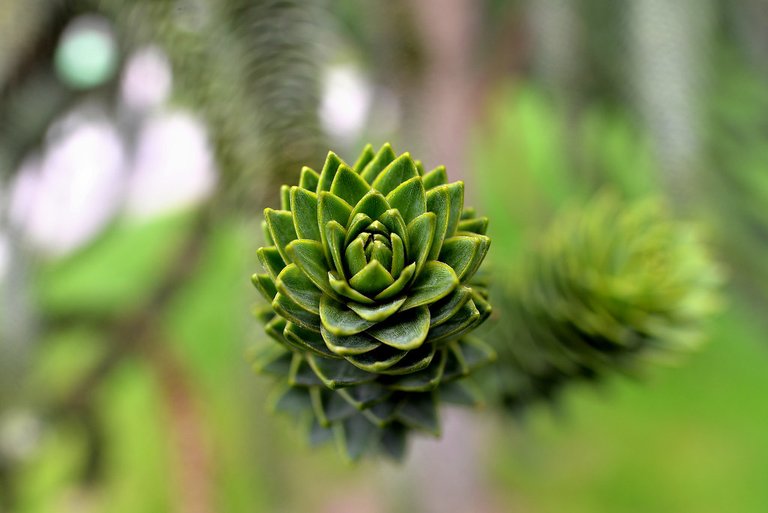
{"x":139,"y":139}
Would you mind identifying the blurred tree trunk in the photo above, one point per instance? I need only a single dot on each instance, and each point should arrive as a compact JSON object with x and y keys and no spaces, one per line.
{"x":446,"y":476}
{"x":669,"y":50}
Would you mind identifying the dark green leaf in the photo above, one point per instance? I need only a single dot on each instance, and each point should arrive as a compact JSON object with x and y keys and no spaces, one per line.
{"x":465,"y":320}
{"x":365,"y":395}
{"x":343,"y":289}
{"x":271,"y":260}
{"x":291,"y":400}
{"x":477,"y":225}
{"x":398,"y":255}
{"x":288,"y":309}
{"x":383,"y":157}
{"x":413,"y":361}
{"x":285,"y":197}
{"x":373,"y":204}
{"x":459,"y":392}
{"x":292,"y":282}
{"x":304,"y":208}
{"x":378,"y":360}
{"x":405,"y":330}
{"x":308,"y":340}
{"x":355,"y":256}
{"x":377,"y":312}
{"x":309,"y":179}
{"x":419,"y":411}
{"x":358,"y":343}
{"x":334,"y":234}
{"x":436,"y":177}
{"x":338,"y":373}
{"x":357,"y":226}
{"x":409,"y":198}
{"x":331,"y":208}
{"x":436,"y":281}
{"x":308,"y":255}
{"x":332,"y":163}
{"x":348,"y":185}
{"x":355,"y":436}
{"x":421,"y":232}
{"x":372,"y":279}
{"x":301,"y":373}
{"x":364,"y":159}
{"x":281,"y":229}
{"x":447,"y":307}
{"x":340,"y":320}
{"x":456,"y":190}
{"x":460,"y":253}
{"x":393,"y":441}
{"x":265,"y":285}
{"x":399,"y":285}
{"x":424,"y":380}
{"x":439,"y":203}
{"x":400,"y":170}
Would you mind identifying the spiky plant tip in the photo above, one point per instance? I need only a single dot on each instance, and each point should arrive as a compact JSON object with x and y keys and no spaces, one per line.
{"x":369,"y":275}
{"x":610,"y":288}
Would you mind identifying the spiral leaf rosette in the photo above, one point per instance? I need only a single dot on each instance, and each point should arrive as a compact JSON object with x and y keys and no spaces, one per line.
{"x":611,"y":288}
{"x":369,"y":275}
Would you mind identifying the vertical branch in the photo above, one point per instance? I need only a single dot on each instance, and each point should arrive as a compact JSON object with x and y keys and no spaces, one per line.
{"x":668,"y":51}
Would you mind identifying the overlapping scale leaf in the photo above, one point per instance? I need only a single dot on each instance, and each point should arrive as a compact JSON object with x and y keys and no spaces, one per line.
{"x":610,"y":288}
{"x":369,"y":275}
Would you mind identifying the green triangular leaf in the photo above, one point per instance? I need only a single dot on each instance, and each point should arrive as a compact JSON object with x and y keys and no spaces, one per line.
{"x":413,"y":361}
{"x":377,"y":312}
{"x":477,"y":225}
{"x":292,"y":282}
{"x":309,"y":179}
{"x":372,"y":279}
{"x":409,"y":198}
{"x":424,"y":380}
{"x":436,"y":281}
{"x":281,"y":229}
{"x":378,"y":360}
{"x":358,"y":343}
{"x":435,"y":178}
{"x":399,"y":285}
{"x":443,"y":310}
{"x":456,"y":191}
{"x":288,"y":309}
{"x":439,"y":203}
{"x":348,"y":185}
{"x":364,"y":159}
{"x":335,"y":234}
{"x":271,"y":260}
{"x":265,"y":285}
{"x":405,"y":330}
{"x":332,"y":163}
{"x":373,"y":204}
{"x":354,"y":256}
{"x":308,"y":340}
{"x":419,"y":411}
{"x":421,"y":232}
{"x":400,"y":170}
{"x":382,"y":159}
{"x":340,"y":320}
{"x":304,"y":208}
{"x":398,"y":255}
{"x":338,"y":373}
{"x":308,"y":255}
{"x":342,"y":288}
